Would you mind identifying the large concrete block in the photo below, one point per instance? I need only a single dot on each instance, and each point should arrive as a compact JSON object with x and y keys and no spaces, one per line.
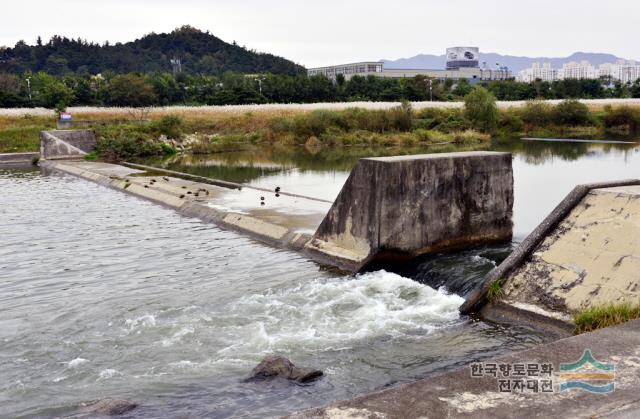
{"x":413,"y":205}
{"x":66,"y":144}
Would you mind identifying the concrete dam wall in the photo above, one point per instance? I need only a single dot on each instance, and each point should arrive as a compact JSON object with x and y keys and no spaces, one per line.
{"x":412,"y":205}
{"x":401,"y":206}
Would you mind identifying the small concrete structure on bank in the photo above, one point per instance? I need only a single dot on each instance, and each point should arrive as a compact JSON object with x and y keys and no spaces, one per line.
{"x":406,"y":206}
{"x":66,"y":144}
{"x":392,"y":206}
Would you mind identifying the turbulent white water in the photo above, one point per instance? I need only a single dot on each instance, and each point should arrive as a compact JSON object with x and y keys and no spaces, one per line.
{"x":325,"y":314}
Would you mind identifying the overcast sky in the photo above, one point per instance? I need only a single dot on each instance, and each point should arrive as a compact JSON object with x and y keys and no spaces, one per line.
{"x":327,"y":32}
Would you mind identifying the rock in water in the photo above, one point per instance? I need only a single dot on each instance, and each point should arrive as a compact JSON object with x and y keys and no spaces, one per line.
{"x":109,"y":407}
{"x":277,"y":366}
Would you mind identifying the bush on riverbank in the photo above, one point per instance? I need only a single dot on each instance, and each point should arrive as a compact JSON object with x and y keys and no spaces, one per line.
{"x":481,"y":110}
{"x":624,"y":117}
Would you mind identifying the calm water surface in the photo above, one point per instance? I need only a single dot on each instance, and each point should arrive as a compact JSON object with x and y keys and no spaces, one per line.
{"x":106,"y":295}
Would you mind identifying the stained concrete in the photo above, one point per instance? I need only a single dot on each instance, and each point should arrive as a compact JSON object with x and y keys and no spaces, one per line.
{"x":591,"y":258}
{"x":459,"y":395}
{"x":412,"y":205}
{"x":522,"y":254}
{"x":66,"y":144}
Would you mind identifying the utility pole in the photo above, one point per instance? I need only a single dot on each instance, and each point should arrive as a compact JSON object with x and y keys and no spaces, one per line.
{"x":431,"y":90}
{"x":260,"y":84}
{"x":29,"y":87}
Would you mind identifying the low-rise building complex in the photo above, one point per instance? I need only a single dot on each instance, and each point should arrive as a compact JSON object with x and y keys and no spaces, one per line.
{"x":462,"y":63}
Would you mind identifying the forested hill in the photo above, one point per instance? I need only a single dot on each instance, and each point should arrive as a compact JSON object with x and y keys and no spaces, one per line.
{"x":199,"y":53}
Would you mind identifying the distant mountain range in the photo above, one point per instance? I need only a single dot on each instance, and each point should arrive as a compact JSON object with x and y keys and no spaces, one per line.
{"x":515,"y":64}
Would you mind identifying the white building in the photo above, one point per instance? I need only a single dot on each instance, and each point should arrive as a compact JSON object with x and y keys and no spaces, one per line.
{"x":581,"y":70}
{"x":542,"y":72}
{"x":348,"y":70}
{"x":462,"y":63}
{"x":622,"y":70}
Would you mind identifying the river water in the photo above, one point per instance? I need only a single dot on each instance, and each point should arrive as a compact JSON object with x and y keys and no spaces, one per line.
{"x":106,"y":295}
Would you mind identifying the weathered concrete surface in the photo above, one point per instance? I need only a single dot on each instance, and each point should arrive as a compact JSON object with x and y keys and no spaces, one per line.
{"x":591,"y":258}
{"x":412,"y":205}
{"x":458,"y":394}
{"x":287,"y":221}
{"x":17,"y":158}
{"x":69,"y":144}
{"x":522,"y":253}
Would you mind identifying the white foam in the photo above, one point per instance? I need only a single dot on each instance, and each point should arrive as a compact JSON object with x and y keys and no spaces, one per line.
{"x":77,"y":362}
{"x":108,"y":373}
{"x":177,"y":337}
{"x":147,"y":320}
{"x":321,"y":315}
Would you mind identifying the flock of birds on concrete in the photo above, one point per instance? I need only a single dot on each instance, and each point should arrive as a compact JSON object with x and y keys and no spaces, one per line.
{"x":262,"y":202}
{"x":152,"y":182}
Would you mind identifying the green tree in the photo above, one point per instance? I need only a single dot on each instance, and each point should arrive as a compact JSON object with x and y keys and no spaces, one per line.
{"x":480,"y":109}
{"x":130,"y":90}
{"x":571,"y":112}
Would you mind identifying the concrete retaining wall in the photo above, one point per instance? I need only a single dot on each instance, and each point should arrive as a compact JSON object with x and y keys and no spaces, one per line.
{"x":411,"y":205}
{"x":17,"y":158}
{"x":66,"y":144}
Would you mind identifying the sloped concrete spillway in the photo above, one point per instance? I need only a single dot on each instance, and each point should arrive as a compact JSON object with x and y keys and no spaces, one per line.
{"x":585,"y":253}
{"x":406,"y":206}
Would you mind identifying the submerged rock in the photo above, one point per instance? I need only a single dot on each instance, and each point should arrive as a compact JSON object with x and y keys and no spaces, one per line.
{"x":109,"y":407}
{"x":278,"y":366}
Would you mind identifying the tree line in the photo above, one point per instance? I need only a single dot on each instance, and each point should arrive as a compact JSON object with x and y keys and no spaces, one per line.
{"x":163,"y":88}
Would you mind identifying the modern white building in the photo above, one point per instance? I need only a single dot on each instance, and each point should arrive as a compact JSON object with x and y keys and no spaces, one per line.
{"x":581,"y":70}
{"x":348,"y":70}
{"x":462,"y":63}
{"x":537,"y":71}
{"x":623,"y":70}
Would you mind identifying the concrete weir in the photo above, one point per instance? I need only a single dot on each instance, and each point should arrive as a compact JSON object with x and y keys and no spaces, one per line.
{"x":403,"y":206}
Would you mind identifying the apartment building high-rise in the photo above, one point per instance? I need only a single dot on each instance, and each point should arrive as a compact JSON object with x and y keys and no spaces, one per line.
{"x":537,"y":71}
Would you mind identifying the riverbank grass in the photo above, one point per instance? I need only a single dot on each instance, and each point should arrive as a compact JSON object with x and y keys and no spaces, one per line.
{"x":22,"y":134}
{"x":600,"y":316}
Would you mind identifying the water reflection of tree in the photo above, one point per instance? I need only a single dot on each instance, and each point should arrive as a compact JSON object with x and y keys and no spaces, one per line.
{"x":540,"y":152}
{"x":249,"y":162}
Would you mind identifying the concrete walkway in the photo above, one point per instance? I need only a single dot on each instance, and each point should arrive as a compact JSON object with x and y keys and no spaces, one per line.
{"x":458,"y":394}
